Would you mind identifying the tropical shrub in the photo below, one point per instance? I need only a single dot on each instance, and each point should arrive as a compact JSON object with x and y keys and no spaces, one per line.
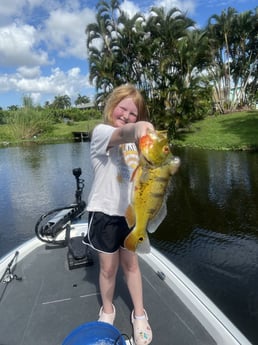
{"x":27,"y":123}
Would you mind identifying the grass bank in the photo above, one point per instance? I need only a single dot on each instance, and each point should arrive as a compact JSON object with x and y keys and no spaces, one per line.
{"x":60,"y":132}
{"x":236,"y":131}
{"x":64,"y":132}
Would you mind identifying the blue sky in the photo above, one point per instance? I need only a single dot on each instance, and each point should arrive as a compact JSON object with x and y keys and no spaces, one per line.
{"x":43,"y":50}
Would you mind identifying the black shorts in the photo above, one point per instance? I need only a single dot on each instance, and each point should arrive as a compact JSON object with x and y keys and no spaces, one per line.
{"x":106,"y":233}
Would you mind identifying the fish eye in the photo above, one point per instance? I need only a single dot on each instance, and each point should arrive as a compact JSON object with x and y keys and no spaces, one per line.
{"x":166,"y":149}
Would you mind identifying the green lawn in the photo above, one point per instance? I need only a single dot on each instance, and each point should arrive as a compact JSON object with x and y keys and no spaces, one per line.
{"x":237,"y":131}
{"x":64,"y":131}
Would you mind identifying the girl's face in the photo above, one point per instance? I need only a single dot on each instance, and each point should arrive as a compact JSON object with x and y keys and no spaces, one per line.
{"x":125,"y":112}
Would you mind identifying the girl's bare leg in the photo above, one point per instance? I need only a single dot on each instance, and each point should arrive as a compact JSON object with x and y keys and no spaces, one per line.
{"x":107,"y":279}
{"x":130,"y":265}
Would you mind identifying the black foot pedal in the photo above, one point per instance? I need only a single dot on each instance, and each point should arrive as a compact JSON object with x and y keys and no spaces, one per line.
{"x":78,"y":253}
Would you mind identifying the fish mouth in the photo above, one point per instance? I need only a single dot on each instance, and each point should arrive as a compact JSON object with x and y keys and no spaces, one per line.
{"x":153,"y":164}
{"x":147,"y":161}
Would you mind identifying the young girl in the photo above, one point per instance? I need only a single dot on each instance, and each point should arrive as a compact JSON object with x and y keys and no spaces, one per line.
{"x":114,"y":157}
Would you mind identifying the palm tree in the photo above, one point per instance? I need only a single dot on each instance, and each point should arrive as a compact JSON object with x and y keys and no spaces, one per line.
{"x":101,"y":46}
{"x":167,"y":30}
{"x":243,"y":52}
{"x":220,"y":28}
{"x":232,"y":41}
{"x":171,"y":61}
{"x":62,"y":102}
{"x":130,"y":38}
{"x":192,"y":99}
{"x":81,"y":100}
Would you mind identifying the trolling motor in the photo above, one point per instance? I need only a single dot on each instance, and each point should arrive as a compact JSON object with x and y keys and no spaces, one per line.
{"x":52,"y":223}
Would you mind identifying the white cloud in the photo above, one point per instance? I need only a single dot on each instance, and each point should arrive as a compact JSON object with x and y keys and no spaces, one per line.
{"x":187,"y":6}
{"x":74,"y":72}
{"x":36,"y":97}
{"x":35,"y":34}
{"x":9,"y":8}
{"x":52,"y":25}
{"x":57,"y":83}
{"x":26,"y":72}
{"x":65,"y":32}
{"x":130,"y":8}
{"x":18,"y":46}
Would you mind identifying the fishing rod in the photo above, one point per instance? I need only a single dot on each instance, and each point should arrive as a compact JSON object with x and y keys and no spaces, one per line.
{"x":8,"y":276}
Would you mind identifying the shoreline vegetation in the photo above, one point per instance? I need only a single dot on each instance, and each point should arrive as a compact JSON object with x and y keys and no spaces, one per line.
{"x":236,"y":131}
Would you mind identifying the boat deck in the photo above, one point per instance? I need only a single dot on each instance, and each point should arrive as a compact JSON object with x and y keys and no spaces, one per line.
{"x":51,"y":300}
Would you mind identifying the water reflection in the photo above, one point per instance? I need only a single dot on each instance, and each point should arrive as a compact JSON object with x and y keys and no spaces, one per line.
{"x":213,"y":190}
{"x":35,"y":179}
{"x":33,"y":156}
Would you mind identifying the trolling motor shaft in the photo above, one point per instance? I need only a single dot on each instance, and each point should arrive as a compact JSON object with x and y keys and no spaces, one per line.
{"x":79,"y":184}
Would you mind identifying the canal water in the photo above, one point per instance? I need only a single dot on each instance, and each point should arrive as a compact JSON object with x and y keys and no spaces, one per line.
{"x":210,"y":232}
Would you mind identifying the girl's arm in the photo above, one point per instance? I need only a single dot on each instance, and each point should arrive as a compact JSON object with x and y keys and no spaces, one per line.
{"x":129,"y":133}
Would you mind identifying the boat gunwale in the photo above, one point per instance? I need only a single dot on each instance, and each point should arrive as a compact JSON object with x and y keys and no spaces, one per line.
{"x":208,"y":314}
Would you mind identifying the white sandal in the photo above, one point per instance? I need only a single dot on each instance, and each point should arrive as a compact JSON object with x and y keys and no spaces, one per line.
{"x":142,"y":330}
{"x":108,"y":318}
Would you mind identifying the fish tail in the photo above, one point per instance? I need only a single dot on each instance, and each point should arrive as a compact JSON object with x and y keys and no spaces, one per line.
{"x":135,"y":238}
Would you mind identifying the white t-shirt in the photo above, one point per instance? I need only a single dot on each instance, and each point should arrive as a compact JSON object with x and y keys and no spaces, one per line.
{"x":113,"y":168}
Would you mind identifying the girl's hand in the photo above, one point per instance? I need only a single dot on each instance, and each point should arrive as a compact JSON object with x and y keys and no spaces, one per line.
{"x":142,"y":128}
{"x":130,"y":133}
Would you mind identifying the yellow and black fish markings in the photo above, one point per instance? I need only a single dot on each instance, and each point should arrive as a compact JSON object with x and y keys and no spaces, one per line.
{"x":151,"y":181}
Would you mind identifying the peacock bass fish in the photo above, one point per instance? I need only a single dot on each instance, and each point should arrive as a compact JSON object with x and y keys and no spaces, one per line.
{"x":151,"y":181}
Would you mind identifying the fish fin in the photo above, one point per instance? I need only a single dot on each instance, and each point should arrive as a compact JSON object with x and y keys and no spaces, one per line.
{"x":130,"y":216}
{"x":134,"y":172}
{"x":134,"y":238}
{"x":158,"y":219}
{"x":145,"y":175}
{"x":144,"y":246}
{"x":142,"y":173}
{"x":174,"y":165}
